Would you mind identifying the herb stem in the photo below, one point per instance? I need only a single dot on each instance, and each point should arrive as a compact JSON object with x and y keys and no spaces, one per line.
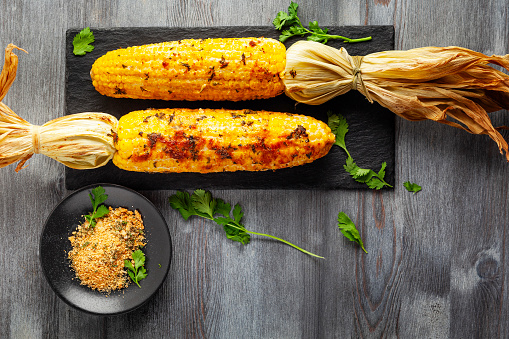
{"x":345,"y":39}
{"x":276,"y":238}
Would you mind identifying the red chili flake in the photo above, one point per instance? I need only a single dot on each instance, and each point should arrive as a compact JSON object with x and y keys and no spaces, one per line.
{"x":165,"y":64}
{"x":252,"y":43}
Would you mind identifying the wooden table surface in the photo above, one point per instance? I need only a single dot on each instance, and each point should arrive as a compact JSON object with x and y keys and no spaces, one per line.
{"x":436,"y":266}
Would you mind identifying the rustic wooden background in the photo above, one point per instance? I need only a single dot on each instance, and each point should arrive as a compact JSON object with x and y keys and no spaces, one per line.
{"x":436,"y":266}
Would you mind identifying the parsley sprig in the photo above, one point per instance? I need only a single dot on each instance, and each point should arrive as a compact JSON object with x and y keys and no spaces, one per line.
{"x":347,"y":227}
{"x":202,"y":204}
{"x":412,"y":187}
{"x":374,"y":180}
{"x":138,"y":271}
{"x":82,"y":42}
{"x":291,"y":25}
{"x":97,"y":198}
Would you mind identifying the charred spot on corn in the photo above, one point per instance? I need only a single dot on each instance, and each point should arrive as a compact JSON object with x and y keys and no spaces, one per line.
{"x":153,"y":138}
{"x":297,"y":133}
{"x":119,"y":91}
{"x":223,"y":63}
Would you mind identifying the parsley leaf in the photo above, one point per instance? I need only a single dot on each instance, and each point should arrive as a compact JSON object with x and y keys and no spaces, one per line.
{"x":290,"y":25}
{"x":97,"y":198}
{"x":339,"y":127}
{"x":372,"y":179}
{"x":286,"y":19}
{"x":349,"y":230}
{"x":82,"y":41}
{"x":411,"y":187}
{"x":202,"y":204}
{"x":138,"y":271}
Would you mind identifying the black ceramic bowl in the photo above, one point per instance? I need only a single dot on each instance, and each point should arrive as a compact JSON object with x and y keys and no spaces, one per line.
{"x":54,"y":246}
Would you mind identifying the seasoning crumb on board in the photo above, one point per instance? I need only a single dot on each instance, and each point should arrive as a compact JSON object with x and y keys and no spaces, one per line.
{"x":98,"y":253}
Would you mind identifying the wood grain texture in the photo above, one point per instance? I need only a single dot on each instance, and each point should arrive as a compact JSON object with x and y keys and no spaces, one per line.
{"x":437,"y":264}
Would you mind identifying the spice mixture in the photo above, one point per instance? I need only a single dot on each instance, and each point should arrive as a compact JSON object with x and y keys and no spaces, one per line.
{"x":98,"y":253}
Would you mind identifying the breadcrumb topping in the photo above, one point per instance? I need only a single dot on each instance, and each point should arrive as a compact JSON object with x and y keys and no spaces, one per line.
{"x":98,"y":253}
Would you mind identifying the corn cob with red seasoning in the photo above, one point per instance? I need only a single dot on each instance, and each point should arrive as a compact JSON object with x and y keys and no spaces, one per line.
{"x":207,"y":140}
{"x":231,"y":69}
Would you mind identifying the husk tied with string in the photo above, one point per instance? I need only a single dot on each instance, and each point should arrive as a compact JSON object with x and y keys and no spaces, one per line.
{"x":81,"y":141}
{"x":450,"y":85}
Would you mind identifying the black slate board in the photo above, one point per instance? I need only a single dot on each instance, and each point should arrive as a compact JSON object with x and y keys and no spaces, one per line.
{"x":370,"y":139}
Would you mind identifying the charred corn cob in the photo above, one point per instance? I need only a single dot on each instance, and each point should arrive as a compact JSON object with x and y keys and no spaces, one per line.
{"x":207,"y":140}
{"x":202,"y":69}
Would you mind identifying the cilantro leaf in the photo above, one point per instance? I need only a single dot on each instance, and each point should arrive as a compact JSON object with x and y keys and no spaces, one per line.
{"x":128,"y":264}
{"x":82,"y":41}
{"x":139,"y":258}
{"x":318,"y":35}
{"x":237,"y":213}
{"x":412,"y":187}
{"x":223,"y":208}
{"x":349,"y":230}
{"x":142,"y":274}
{"x":97,"y":197}
{"x":138,"y":271}
{"x":181,"y":201}
{"x":202,"y":204}
{"x":339,"y":127}
{"x":290,"y":25}
{"x":101,"y":211}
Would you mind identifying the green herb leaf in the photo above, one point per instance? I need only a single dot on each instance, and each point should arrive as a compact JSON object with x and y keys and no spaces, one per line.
{"x":411,"y":187}
{"x":142,"y":274}
{"x":101,"y":211}
{"x":97,"y":197}
{"x":128,"y":264}
{"x":202,"y":204}
{"x":82,"y":41}
{"x":138,"y":271}
{"x":290,"y":25}
{"x":181,"y":201}
{"x":339,"y":127}
{"x":139,"y":258}
{"x":349,"y":230}
{"x":222,"y":208}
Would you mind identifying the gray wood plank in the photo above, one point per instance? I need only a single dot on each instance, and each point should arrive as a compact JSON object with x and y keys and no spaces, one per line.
{"x":436,"y":266}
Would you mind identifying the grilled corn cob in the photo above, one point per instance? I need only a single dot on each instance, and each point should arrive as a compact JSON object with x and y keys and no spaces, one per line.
{"x":203,"y":69}
{"x":207,"y":140}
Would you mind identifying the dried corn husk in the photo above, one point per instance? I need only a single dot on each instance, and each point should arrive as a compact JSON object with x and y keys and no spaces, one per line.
{"x":450,"y":85}
{"x":80,"y":141}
